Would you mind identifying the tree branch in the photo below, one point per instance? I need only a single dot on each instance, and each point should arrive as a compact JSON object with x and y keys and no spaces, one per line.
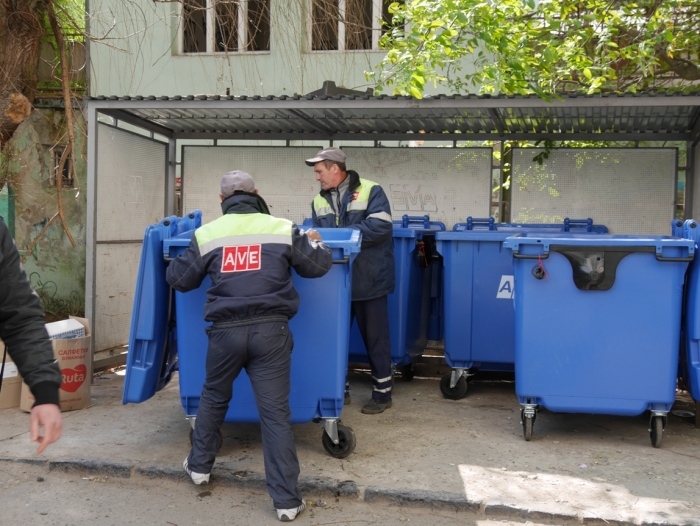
{"x":65,"y":82}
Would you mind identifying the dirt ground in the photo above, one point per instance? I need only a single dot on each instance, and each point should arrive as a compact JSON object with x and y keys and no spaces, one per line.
{"x":589,"y":465}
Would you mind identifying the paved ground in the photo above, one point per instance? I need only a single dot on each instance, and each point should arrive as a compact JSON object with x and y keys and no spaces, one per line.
{"x":34,"y":495}
{"x":465,"y":455}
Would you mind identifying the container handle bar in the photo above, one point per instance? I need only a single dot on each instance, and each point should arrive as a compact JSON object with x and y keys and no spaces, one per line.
{"x":346,"y":259}
{"x":659,"y":257}
{"x":518,"y":255}
{"x":588,"y":223}
{"x":406,"y":219}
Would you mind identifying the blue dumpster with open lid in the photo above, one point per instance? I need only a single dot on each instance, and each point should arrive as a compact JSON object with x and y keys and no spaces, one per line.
{"x":597,"y":323}
{"x":410,"y":303}
{"x":168,"y":334}
{"x":478,"y":290}
{"x":690,"y":354}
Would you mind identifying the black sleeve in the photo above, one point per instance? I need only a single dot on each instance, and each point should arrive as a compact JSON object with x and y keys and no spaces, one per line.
{"x":186,"y":272}
{"x":311,"y":259}
{"x":22,"y":326}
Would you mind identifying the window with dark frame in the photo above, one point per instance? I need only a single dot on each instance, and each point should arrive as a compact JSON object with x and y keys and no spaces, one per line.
{"x":238,"y":26}
{"x":358,"y":24}
{"x":194,"y":20}
{"x":352,"y":25}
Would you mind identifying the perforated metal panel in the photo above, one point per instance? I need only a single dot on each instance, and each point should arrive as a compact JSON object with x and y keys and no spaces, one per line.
{"x":117,"y":267}
{"x":447,"y":184}
{"x":131,"y":185}
{"x":631,"y":191}
{"x":131,"y":196}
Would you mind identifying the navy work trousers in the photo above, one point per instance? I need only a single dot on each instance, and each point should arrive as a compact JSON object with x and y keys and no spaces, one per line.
{"x":373,"y":321}
{"x":264,"y":349}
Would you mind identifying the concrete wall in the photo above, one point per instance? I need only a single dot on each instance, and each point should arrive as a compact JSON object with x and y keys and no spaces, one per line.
{"x":56,"y":269}
{"x":140,"y":56}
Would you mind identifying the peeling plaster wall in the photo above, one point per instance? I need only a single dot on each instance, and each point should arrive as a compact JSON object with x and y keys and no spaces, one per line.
{"x":55,"y":268}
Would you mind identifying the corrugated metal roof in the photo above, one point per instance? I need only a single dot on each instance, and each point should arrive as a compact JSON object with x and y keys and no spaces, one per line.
{"x":656,"y":116}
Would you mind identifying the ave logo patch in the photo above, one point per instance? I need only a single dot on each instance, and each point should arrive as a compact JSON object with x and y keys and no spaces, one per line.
{"x":355,"y":196}
{"x":241,"y":258}
{"x":505,"y":289}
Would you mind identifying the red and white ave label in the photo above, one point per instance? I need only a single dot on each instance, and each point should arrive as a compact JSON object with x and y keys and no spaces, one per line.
{"x":241,"y":259}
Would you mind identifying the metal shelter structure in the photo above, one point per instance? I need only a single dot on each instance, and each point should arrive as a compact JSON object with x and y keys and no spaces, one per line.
{"x":638,"y":117}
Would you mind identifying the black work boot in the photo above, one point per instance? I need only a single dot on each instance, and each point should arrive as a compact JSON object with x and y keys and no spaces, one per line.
{"x":374,"y":406}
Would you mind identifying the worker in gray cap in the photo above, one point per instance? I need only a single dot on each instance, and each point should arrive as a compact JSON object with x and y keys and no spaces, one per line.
{"x":247,"y":253}
{"x":348,"y":201}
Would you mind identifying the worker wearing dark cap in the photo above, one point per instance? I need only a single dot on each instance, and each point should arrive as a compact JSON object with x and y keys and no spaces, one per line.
{"x":348,"y":201}
{"x":247,"y":253}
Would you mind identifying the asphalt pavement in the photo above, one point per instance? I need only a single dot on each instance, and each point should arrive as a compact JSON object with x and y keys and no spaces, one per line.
{"x":467,"y":456}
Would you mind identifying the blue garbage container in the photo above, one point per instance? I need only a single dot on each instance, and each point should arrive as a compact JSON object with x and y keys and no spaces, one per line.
{"x":320,"y":329}
{"x":410,"y":303}
{"x":690,"y":353}
{"x":478,"y":291}
{"x":597,"y":323}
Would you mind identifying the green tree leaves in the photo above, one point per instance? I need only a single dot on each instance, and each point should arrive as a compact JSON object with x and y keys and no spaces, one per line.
{"x":542,"y":46}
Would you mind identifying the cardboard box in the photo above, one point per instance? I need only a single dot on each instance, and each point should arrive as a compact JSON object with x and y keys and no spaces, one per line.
{"x":11,"y":382}
{"x":74,"y":358}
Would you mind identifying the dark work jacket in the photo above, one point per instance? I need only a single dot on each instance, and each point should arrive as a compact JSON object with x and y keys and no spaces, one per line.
{"x":248,"y":253}
{"x":364,"y":207}
{"x":22,"y":326}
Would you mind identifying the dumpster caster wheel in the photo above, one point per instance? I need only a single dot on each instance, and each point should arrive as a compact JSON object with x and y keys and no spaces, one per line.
{"x":455,"y":393}
{"x":345,"y":445}
{"x":528,"y":424}
{"x":407,"y":372}
{"x":218,"y":446}
{"x":656,"y":431}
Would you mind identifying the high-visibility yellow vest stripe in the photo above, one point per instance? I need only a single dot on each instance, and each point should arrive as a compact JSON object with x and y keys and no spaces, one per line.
{"x":243,"y":229}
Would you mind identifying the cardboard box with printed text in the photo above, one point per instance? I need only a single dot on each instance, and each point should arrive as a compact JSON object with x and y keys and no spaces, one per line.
{"x":11,"y":382}
{"x":74,"y":359}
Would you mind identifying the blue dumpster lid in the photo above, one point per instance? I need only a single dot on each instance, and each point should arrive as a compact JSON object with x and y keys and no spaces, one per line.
{"x":152,"y":356}
{"x":541,"y":242}
{"x":488,"y":224}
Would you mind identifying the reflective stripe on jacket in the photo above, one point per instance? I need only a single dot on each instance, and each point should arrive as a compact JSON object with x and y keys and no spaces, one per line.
{"x":366,"y":208}
{"x":247,"y":254}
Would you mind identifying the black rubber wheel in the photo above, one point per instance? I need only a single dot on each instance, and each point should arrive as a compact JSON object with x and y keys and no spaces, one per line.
{"x":345,"y":445}
{"x":657,"y":431}
{"x":407,"y":372}
{"x":221,"y":439}
{"x":528,"y":424}
{"x":455,"y":393}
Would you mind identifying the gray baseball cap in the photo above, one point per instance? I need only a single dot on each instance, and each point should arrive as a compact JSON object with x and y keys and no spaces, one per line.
{"x":329,"y":154}
{"x":235,"y":181}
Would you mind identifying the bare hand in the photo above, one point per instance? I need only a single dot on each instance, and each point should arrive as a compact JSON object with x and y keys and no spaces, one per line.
{"x":49,"y":417}
{"x":313,"y":235}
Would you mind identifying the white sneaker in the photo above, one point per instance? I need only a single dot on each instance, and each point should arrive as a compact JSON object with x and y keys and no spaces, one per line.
{"x":197,"y":478}
{"x":291,"y":514}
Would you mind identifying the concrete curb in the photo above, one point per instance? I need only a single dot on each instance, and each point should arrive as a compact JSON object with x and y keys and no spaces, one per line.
{"x":432,"y":499}
{"x":328,"y":487}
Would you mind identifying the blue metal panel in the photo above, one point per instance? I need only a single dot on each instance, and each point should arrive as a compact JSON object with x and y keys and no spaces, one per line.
{"x":478,"y":290}
{"x":609,"y":351}
{"x":690,"y":360}
{"x":153,"y":355}
{"x":410,"y":303}
{"x":320,"y":330}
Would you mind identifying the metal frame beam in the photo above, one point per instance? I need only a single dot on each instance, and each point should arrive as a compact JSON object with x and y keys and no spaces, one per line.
{"x":432,"y":136}
{"x":91,"y":226}
{"x":388,"y":103}
{"x":695,"y":133}
{"x":689,"y":199}
{"x":134,"y":120}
